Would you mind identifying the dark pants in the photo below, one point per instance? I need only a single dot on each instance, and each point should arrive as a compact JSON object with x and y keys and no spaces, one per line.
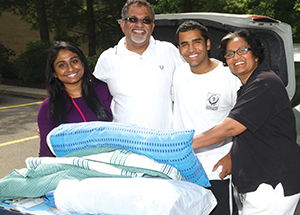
{"x":220,"y":189}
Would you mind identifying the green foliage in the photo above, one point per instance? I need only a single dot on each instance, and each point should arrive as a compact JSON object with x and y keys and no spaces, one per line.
{"x":167,"y":6}
{"x":108,"y":30}
{"x":31,"y":64}
{"x":296,"y":98}
{"x":297,"y":68}
{"x":65,"y":19}
{"x":68,"y":18}
{"x":7,"y":69}
{"x":296,"y":25}
{"x":17,"y":6}
{"x":297,"y":5}
{"x":92,"y":60}
{"x":285,"y":11}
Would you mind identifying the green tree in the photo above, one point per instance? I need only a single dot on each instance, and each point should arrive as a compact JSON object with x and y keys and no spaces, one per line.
{"x":91,"y":27}
{"x":42,"y":20}
{"x":297,"y":5}
{"x":24,"y":8}
{"x":6,"y":67}
{"x":283,"y":10}
{"x":296,"y":25}
{"x":95,"y":21}
{"x":77,"y":21}
{"x":31,"y":63}
{"x":65,"y":19}
{"x":108,"y":31}
{"x":167,"y":6}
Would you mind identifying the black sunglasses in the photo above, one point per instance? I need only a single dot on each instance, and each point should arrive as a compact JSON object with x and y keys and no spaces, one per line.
{"x":146,"y":21}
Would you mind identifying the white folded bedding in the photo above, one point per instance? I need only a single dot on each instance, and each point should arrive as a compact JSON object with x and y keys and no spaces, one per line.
{"x":133,"y":196}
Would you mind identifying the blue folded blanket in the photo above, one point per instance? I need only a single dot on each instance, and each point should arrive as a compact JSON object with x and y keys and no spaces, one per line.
{"x":173,"y":147}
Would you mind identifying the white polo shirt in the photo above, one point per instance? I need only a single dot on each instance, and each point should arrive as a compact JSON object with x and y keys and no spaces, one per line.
{"x":140,"y":84}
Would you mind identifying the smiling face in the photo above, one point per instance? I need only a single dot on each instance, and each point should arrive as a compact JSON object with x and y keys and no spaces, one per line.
{"x":137,"y":34}
{"x":241,"y":65}
{"x":194,"y":50}
{"x":68,"y":67}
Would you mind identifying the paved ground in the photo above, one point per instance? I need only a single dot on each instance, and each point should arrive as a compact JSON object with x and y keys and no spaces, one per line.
{"x":18,"y":132}
{"x":23,"y":91}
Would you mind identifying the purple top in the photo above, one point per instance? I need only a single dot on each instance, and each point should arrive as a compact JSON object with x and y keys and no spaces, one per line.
{"x":45,"y":126}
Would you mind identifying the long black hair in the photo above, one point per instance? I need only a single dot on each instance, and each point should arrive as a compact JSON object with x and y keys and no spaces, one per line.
{"x":57,"y":92}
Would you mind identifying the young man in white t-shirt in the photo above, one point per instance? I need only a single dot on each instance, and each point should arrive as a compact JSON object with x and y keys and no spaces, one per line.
{"x":204,"y":91}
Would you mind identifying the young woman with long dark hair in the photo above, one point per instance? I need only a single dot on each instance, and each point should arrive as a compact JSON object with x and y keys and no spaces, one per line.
{"x":75,"y":95}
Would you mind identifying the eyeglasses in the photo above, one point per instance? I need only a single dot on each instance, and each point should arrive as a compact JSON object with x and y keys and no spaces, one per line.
{"x":146,"y":21}
{"x":240,"y":51}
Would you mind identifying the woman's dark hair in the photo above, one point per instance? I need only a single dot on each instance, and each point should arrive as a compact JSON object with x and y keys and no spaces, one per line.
{"x":250,"y":37}
{"x":58,"y":103}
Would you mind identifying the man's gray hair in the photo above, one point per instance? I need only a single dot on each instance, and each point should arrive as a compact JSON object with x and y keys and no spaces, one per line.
{"x":136,"y":3}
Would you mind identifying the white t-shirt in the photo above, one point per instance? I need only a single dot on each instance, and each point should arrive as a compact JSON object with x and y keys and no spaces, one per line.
{"x":140,"y":84}
{"x":202,"y":101}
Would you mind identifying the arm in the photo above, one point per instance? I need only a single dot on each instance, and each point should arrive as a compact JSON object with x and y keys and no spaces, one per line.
{"x":103,"y":62}
{"x":228,"y":128}
{"x":225,"y":162}
{"x":44,"y":127}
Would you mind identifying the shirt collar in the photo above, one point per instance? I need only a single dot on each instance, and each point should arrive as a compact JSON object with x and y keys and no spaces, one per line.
{"x":121,"y":49}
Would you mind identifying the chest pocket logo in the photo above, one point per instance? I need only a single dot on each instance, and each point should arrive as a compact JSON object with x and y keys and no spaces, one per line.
{"x":212,"y":101}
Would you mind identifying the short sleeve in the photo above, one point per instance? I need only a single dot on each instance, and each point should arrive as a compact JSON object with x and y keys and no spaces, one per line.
{"x":253,"y":107}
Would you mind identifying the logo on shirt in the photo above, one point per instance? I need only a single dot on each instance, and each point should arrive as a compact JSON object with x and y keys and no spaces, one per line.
{"x":161,"y":67}
{"x":212,"y":101}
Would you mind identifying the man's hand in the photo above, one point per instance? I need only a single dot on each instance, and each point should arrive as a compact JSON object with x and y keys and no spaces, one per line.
{"x":225,"y":162}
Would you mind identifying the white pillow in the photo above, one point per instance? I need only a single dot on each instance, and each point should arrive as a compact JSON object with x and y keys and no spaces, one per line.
{"x":173,"y":147}
{"x":133,"y":196}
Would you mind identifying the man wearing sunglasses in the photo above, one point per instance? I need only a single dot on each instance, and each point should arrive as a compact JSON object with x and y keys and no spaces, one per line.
{"x":139,"y":70}
{"x":204,"y":92}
